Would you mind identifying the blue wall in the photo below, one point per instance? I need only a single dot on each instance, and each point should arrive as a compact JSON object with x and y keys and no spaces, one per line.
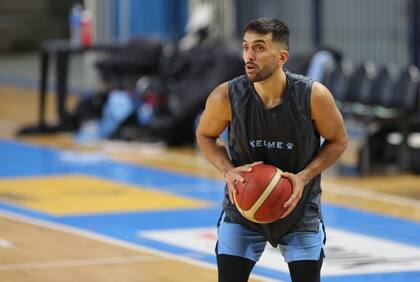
{"x":162,"y":18}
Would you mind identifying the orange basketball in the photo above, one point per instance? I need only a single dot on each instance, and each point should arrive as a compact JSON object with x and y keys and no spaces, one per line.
{"x":262,"y":196}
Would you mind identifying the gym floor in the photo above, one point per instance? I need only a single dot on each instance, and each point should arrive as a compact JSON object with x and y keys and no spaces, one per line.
{"x":115,"y":211}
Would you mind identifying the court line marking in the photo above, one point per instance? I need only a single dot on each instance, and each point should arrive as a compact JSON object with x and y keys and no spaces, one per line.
{"x":113,"y":241}
{"x":5,"y":244}
{"x":338,"y":188}
{"x":369,"y":194}
{"x":81,"y":262}
{"x":346,"y":190}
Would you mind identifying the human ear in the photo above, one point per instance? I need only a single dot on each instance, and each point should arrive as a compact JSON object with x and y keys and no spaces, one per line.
{"x":282,"y":57}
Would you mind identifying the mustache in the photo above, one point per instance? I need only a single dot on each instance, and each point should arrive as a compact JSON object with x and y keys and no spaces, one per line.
{"x":251,"y":63}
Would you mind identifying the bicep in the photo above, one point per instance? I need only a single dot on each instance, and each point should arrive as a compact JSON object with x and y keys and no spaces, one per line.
{"x":216,"y":115}
{"x":326,"y":117}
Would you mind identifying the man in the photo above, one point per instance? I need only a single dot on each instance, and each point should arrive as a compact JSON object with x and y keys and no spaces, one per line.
{"x":271,"y":104}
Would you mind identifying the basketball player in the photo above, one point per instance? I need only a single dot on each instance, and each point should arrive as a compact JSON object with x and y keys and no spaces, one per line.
{"x":275,"y":117}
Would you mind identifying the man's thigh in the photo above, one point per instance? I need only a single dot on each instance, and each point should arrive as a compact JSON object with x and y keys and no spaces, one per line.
{"x":236,"y":240}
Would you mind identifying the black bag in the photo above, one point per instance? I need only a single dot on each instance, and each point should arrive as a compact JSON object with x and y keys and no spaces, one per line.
{"x":186,"y":88}
{"x":123,"y":68}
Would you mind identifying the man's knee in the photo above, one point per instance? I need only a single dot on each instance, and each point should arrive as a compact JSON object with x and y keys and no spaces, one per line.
{"x":234,"y":268}
{"x":306,"y":270}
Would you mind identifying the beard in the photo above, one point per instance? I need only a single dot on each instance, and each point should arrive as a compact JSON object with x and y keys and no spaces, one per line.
{"x":261,"y":74}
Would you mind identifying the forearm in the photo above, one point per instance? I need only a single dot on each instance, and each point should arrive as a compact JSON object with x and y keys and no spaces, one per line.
{"x":215,"y":153}
{"x":329,"y":154}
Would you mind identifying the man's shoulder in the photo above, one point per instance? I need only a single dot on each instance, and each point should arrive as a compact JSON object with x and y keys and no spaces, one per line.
{"x":298,"y":78}
{"x":301,"y":88}
{"x":242,"y":79}
{"x":239,"y":83}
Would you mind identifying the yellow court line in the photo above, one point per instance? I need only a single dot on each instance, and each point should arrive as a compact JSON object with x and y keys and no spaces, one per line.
{"x":74,"y":194}
{"x":189,"y":162}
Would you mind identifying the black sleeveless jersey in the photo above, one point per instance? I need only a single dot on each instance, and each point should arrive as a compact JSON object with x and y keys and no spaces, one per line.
{"x":283,"y":136}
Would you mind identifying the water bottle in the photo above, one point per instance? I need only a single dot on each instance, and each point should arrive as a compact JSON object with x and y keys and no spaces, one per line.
{"x":85,"y":29}
{"x":75,"y":20}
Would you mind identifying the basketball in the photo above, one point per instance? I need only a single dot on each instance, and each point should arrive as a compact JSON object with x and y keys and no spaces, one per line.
{"x":262,"y":196}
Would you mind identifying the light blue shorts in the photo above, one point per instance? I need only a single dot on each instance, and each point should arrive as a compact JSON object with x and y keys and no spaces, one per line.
{"x":236,"y":240}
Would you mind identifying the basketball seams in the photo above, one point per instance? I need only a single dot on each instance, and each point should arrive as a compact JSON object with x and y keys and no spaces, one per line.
{"x":276,"y":209}
{"x":273,"y":183}
{"x":247,"y":195}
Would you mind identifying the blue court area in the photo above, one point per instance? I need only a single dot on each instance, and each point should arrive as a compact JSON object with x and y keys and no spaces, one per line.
{"x":177,"y":213}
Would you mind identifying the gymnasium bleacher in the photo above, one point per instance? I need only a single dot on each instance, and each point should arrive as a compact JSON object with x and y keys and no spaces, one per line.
{"x":378,"y":98}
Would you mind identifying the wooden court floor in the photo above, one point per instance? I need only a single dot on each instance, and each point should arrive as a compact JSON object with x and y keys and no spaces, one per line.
{"x":39,"y":251}
{"x":46,"y":253}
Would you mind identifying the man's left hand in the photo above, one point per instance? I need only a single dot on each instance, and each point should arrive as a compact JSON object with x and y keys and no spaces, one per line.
{"x":297,"y":188}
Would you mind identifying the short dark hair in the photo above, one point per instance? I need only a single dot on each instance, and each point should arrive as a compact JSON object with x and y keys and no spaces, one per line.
{"x":277,"y":28}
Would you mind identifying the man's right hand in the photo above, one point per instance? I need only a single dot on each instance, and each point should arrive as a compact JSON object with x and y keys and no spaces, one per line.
{"x":233,"y":175}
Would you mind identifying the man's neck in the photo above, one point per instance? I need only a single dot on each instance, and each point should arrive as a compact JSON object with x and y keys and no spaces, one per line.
{"x":272,"y":89}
